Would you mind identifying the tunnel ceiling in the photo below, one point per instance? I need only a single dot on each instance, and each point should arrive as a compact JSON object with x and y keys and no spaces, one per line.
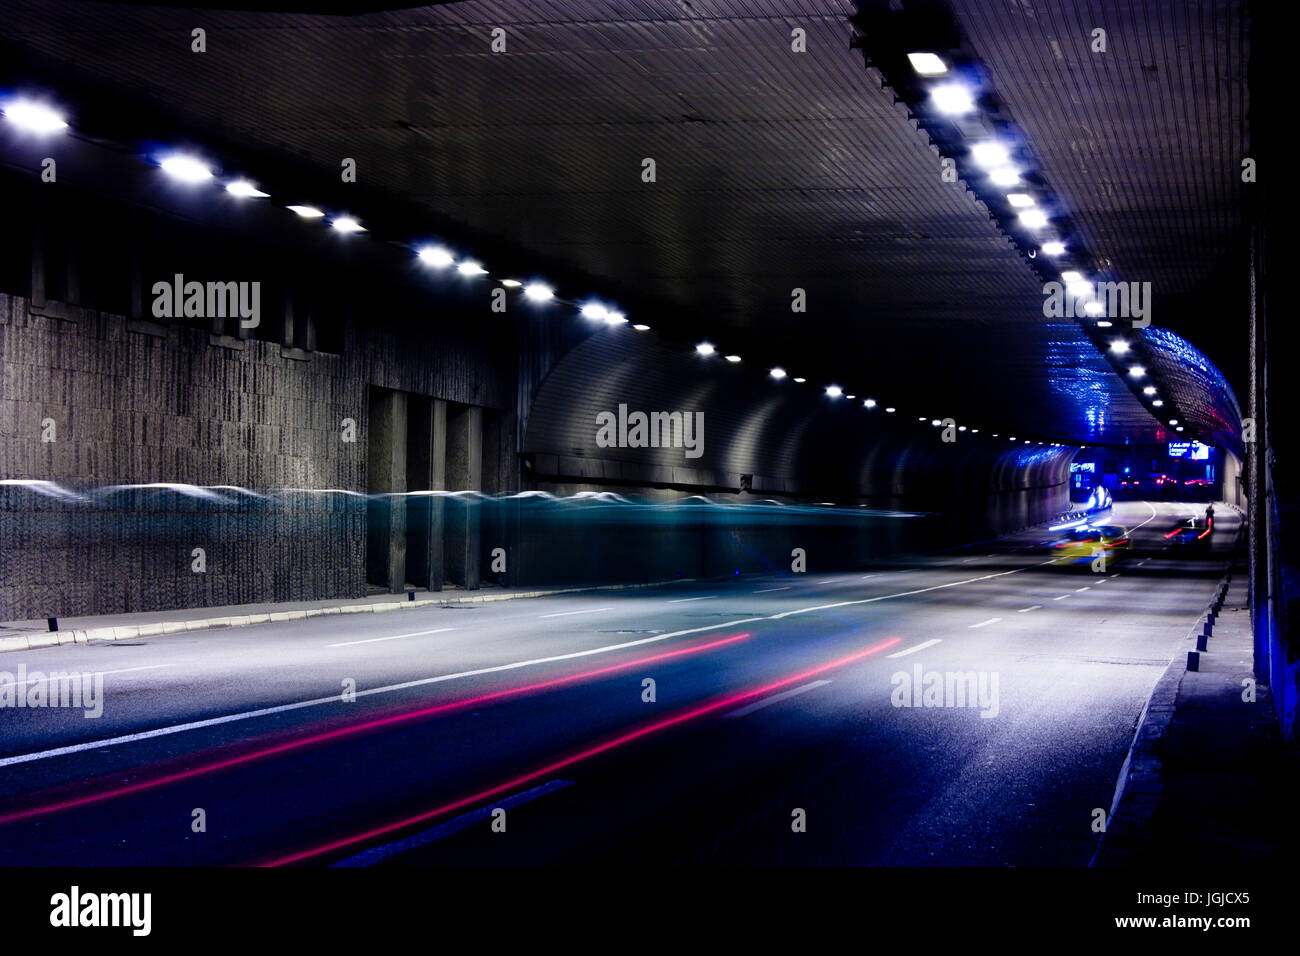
{"x":776,"y":170}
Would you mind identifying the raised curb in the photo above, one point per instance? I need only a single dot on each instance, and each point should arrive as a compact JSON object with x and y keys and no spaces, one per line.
{"x":1140,"y":785}
{"x":41,"y":639}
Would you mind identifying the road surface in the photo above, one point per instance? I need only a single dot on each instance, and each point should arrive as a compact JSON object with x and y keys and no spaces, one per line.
{"x":781,"y":727}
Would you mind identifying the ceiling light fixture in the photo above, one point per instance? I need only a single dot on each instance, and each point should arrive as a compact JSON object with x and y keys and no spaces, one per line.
{"x":244,"y":189}
{"x":346,"y":225}
{"x":33,"y":117}
{"x":927,"y":64}
{"x":186,"y":169}
{"x":952,"y":98}
{"x":435,"y":256}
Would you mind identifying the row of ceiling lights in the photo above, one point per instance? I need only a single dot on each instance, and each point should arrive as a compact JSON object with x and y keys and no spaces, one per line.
{"x":955,"y":98}
{"x":35,"y":117}
{"x":835,"y":392}
{"x":42,"y":119}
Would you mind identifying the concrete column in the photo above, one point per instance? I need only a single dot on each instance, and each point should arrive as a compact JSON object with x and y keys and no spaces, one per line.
{"x":464,"y":465}
{"x":386,"y":468}
{"x":37,"y":284}
{"x":428,"y":472}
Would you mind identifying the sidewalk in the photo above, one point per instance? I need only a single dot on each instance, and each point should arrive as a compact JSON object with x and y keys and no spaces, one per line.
{"x":27,"y":635}
{"x":1208,"y":776}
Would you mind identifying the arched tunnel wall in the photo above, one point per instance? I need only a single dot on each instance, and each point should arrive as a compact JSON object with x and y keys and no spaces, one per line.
{"x":778,"y":467}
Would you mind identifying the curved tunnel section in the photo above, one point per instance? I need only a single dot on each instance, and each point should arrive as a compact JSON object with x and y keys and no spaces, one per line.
{"x":771,"y":466}
{"x":1198,"y":392}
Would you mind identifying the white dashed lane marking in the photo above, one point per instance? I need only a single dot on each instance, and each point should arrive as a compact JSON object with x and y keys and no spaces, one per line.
{"x":919,"y":647}
{"x":590,"y":610}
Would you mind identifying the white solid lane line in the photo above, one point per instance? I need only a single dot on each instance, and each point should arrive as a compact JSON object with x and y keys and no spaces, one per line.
{"x":1032,"y":607}
{"x":392,"y":637}
{"x":919,"y":647}
{"x":590,"y":610}
{"x":768,"y":590}
{"x":336,"y":698}
{"x":777,"y":698}
{"x":706,"y":597}
{"x":899,"y":594}
{"x":992,"y":620}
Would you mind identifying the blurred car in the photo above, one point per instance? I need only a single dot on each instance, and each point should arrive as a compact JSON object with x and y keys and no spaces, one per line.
{"x":1130,"y":483}
{"x":1193,"y":532}
{"x":1098,"y":500}
{"x":1086,"y":544}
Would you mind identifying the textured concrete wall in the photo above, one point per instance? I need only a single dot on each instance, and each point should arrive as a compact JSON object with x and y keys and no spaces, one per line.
{"x":135,"y":403}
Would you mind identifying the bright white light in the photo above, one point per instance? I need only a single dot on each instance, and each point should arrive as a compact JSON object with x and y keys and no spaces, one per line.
{"x":435,"y":256}
{"x":615,"y":318}
{"x":1179,"y":428}
{"x":1070,"y":275}
{"x":990,"y":154}
{"x":1020,"y":200}
{"x":1033,"y":218}
{"x":245,"y":190}
{"x":800,"y":380}
{"x":705,"y":348}
{"x":1012,"y":438}
{"x":868,"y":403}
{"x":850,"y":396}
{"x":594,"y":310}
{"x":961,"y":428}
{"x":890,"y":410}
{"x":1136,"y":371}
{"x":1005,"y":176}
{"x":1053,"y":248}
{"x":834,"y":391}
{"x":1158,"y":403}
{"x":952,"y":98}
{"x":927,"y":64}
{"x":1095,"y":308}
{"x":1119,"y":347}
{"x":641,"y":328}
{"x":1149,"y":390}
{"x":471,"y":268}
{"x":346,"y":225}
{"x":976,"y":431}
{"x":935,"y":422}
{"x":538,"y":292}
{"x":921,"y":419}
{"x":187,"y":169}
{"x":511,"y":283}
{"x":1173,"y":421}
{"x":777,"y":373}
{"x":34,"y":117}
{"x":1104,"y":324}
{"x":307,"y":212}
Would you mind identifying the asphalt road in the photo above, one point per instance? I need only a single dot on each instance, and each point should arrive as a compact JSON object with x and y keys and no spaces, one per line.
{"x":776,"y":700}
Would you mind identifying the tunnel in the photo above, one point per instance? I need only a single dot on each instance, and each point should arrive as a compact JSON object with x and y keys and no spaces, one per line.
{"x":862,"y":419}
